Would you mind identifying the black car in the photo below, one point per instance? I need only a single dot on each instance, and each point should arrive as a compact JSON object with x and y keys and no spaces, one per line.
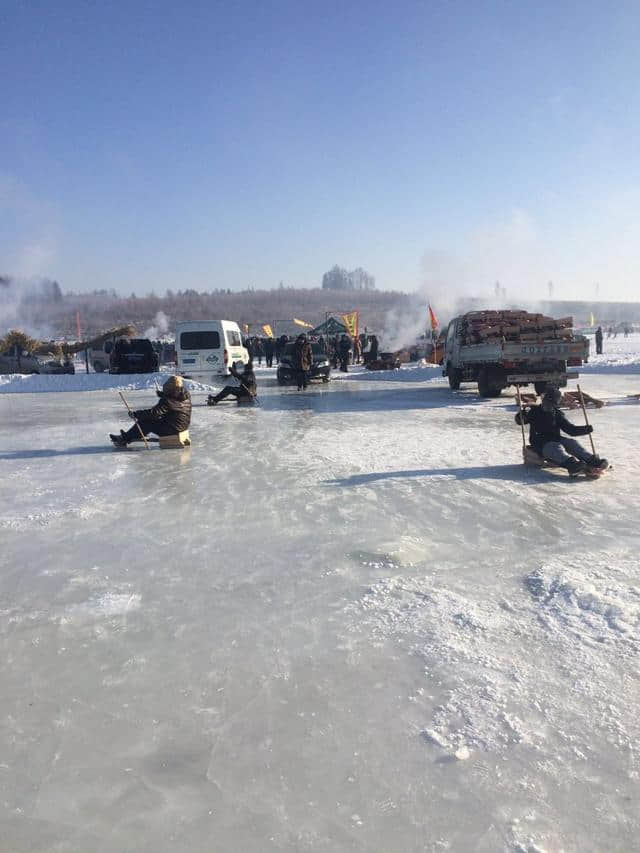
{"x":134,"y":355}
{"x":320,"y":369}
{"x":58,"y":367}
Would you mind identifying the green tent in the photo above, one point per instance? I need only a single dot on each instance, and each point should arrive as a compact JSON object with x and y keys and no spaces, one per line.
{"x":330,"y":327}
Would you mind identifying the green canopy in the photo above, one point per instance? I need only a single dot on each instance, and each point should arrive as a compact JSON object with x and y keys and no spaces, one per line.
{"x":331,"y":326}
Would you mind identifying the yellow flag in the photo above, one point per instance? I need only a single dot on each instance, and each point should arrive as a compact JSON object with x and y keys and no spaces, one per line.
{"x":302,"y":323}
{"x":351,"y":322}
{"x":592,"y":320}
{"x":267,"y":330}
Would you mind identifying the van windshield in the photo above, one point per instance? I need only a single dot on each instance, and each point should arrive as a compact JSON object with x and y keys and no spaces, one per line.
{"x":200,"y":340}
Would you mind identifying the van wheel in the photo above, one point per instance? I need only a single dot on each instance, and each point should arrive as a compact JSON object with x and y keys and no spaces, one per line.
{"x":455,"y":378}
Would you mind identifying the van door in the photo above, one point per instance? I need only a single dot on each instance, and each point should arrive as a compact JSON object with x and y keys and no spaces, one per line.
{"x":234,"y":346}
{"x":200,"y":351}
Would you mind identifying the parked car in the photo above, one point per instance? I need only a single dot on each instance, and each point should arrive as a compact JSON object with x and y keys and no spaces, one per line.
{"x":17,"y":360}
{"x":57,"y":367}
{"x":320,"y":369}
{"x":135,"y":355}
{"x":99,"y":357}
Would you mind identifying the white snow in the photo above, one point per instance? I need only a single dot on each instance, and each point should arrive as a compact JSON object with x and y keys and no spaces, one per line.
{"x":412,"y":372}
{"x":17,"y":383}
{"x":345,"y":619}
{"x":619,"y":355}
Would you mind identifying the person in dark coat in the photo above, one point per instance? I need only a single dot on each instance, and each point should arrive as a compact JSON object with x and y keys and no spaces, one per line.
{"x":269,"y":348}
{"x":281,"y":343}
{"x":246,"y":390}
{"x":546,"y":423}
{"x":599,"y":340}
{"x":302,"y":361}
{"x":170,"y":415}
{"x":363,"y":342}
{"x":373,"y":348}
{"x":344,"y":350}
{"x":335,"y":349}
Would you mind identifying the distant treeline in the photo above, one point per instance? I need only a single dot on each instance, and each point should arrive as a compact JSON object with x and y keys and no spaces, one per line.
{"x":102,"y":309}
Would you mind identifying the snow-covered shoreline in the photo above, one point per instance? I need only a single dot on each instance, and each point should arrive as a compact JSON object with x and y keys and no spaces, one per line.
{"x":17,"y":383}
{"x":622,"y":355}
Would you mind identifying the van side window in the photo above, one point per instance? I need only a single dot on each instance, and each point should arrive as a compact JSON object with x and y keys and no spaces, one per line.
{"x":199,"y":340}
{"x":450,"y":332}
{"x":233,"y":338}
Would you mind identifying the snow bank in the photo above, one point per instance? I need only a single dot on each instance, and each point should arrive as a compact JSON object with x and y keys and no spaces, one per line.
{"x":621,"y":355}
{"x":22,"y":384}
{"x":420,"y":372}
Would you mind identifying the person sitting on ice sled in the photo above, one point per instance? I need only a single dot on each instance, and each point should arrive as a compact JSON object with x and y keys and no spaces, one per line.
{"x":546,"y":422}
{"x":244,"y":392}
{"x":170,"y":415}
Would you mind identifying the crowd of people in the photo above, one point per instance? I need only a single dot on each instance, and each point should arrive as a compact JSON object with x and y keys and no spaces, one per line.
{"x":341,"y":349}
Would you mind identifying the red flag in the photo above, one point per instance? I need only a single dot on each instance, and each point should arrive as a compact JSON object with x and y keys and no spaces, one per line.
{"x":433,"y":319}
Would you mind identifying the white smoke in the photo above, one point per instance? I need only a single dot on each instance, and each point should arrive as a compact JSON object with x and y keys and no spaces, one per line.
{"x":17,"y":297}
{"x":402,"y":327}
{"x":160,"y":327}
{"x":502,"y":263}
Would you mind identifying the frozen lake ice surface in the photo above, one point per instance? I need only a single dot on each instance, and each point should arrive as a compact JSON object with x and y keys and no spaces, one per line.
{"x":345,"y":620}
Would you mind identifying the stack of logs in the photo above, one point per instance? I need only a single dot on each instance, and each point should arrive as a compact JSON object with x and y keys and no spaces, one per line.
{"x":490,"y":326}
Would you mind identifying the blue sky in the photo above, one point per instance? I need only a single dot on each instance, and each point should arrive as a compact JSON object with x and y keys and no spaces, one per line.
{"x":439,"y":145}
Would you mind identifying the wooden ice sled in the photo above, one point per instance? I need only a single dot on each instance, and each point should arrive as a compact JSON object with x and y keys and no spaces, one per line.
{"x":179,"y":439}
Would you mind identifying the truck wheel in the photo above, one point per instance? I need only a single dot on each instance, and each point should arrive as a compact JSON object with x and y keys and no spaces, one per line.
{"x":455,"y":378}
{"x":487,"y":388}
{"x":484,"y":389}
{"x":540,"y":387}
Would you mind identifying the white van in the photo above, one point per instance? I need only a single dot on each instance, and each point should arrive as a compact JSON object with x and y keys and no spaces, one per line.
{"x":208,"y":349}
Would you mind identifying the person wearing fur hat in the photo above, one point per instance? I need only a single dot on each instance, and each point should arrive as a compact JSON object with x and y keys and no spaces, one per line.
{"x":302,"y":361}
{"x":170,"y":415}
